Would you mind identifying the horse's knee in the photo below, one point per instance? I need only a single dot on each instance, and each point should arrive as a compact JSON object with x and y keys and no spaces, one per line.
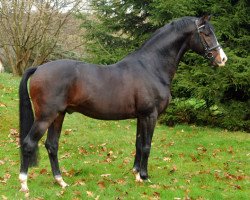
{"x":51,"y":148}
{"x":28,"y":147}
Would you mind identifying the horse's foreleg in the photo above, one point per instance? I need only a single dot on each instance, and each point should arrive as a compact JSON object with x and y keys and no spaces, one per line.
{"x":147,"y":126}
{"x":28,"y":148}
{"x":51,"y":145}
{"x":137,"y":162}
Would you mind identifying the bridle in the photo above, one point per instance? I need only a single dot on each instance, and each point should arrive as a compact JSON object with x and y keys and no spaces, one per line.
{"x":208,"y":50}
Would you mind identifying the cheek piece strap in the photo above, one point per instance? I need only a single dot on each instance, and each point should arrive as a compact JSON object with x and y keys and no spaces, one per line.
{"x":207,"y":50}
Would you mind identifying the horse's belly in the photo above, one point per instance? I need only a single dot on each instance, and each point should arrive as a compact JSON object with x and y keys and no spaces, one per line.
{"x":104,"y":111}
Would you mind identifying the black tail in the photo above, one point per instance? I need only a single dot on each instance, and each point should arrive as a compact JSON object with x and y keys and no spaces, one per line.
{"x":26,"y":113}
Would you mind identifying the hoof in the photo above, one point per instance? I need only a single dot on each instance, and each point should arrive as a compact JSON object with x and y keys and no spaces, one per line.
{"x":24,"y":189}
{"x":61,"y":182}
{"x":138,"y":178}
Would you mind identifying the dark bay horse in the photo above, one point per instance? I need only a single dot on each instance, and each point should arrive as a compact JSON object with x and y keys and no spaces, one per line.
{"x":136,"y":87}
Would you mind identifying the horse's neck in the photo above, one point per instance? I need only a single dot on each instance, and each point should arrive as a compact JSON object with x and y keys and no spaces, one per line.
{"x":164,"y":52}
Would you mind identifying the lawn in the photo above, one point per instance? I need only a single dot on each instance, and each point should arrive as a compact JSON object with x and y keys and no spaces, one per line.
{"x":96,"y":158}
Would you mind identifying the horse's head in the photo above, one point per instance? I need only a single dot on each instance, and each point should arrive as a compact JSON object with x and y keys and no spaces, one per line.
{"x":205,"y":42}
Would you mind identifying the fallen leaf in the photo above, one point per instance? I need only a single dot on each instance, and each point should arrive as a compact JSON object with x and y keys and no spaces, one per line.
{"x":97,"y":198}
{"x":156,"y":195}
{"x":167,"y":159}
{"x":105,"y":175}
{"x":4,"y":197}
{"x":174,"y":168}
{"x":82,"y":151}
{"x":61,"y":193}
{"x":43,"y":171}
{"x":230,"y":150}
{"x":90,"y":194}
{"x":79,"y":182}
{"x":237,"y":187}
{"x":155,"y":186}
{"x":101,"y":184}
{"x":68,"y":131}
{"x":194,"y":159}
{"x":121,"y":181}
{"x":77,"y":193}
{"x":2,"y":105}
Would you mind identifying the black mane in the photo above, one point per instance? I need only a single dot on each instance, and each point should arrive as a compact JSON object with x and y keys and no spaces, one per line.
{"x":178,"y":25}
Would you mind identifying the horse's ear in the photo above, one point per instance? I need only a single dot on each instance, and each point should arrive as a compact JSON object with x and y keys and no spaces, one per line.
{"x":207,"y":18}
{"x":204,"y":19}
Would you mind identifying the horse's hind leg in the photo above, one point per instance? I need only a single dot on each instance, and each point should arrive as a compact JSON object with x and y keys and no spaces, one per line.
{"x":28,"y":148}
{"x":51,"y":145}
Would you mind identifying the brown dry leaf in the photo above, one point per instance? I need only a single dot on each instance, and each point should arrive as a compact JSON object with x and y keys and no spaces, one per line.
{"x":82,"y":151}
{"x":156,"y":195}
{"x":66,"y":155}
{"x":68,"y":131}
{"x":121,"y":181}
{"x":98,"y":197}
{"x":14,"y":136}
{"x":61,"y":193}
{"x":79,"y":182}
{"x":230,"y":150}
{"x":217,"y":176}
{"x":174,"y":168}
{"x":108,"y":160}
{"x":181,"y":155}
{"x":126,"y":160}
{"x":77,"y":193}
{"x":110,"y":153}
{"x":6,"y":177}
{"x":39,"y":198}
{"x":90,"y":194}
{"x":101,"y":184}
{"x":202,"y":149}
{"x":237,"y":187}
{"x":155,"y":186}
{"x":105,"y":175}
{"x":194,"y":159}
{"x":43,"y":171}
{"x":167,"y":159}
{"x":170,"y":144}
{"x":2,"y":105}
{"x":2,"y":162}
{"x":4,"y":197}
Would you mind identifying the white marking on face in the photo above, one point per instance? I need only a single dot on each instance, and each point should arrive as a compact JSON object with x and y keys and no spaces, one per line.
{"x":223,"y":57}
{"x":222,"y":54}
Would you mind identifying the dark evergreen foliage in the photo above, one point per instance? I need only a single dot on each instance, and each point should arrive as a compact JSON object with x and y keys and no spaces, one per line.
{"x":201,"y":94}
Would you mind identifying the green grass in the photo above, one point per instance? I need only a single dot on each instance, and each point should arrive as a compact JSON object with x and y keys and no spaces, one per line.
{"x":185,"y":161}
